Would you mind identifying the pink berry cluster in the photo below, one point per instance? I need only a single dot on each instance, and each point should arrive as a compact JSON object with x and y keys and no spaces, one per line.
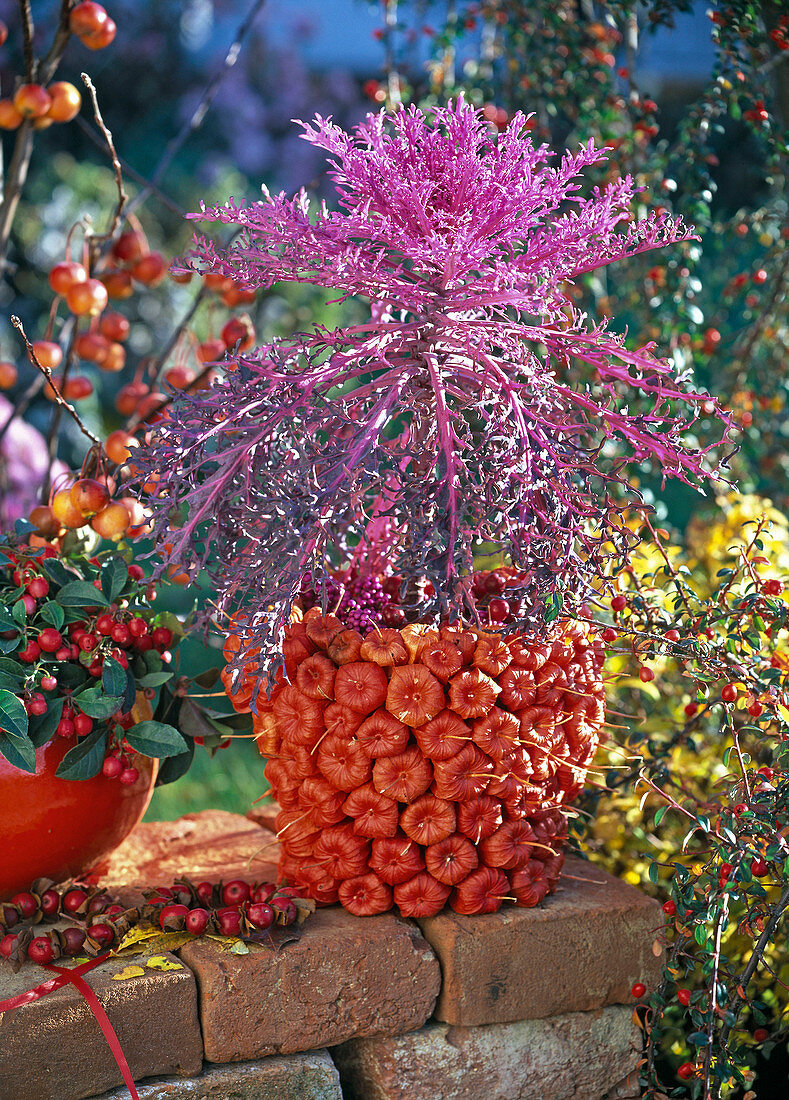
{"x":235,"y":908}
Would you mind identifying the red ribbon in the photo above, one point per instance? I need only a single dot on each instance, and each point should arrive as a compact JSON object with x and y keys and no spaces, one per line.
{"x":74,"y":977}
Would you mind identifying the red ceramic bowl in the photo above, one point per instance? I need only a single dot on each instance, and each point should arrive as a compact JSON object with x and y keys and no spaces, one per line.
{"x":59,"y":828}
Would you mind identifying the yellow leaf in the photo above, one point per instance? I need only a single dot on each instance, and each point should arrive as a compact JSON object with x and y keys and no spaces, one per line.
{"x":137,"y":934}
{"x":159,"y":962}
{"x":128,"y":972}
{"x":239,"y":948}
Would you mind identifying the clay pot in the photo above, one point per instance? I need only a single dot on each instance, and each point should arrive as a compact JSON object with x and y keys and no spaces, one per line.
{"x":60,"y":828}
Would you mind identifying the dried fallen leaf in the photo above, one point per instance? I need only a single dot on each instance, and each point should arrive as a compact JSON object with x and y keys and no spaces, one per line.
{"x":128,"y":972}
{"x":159,"y":962}
{"x":137,"y":934}
{"x":305,"y":907}
{"x":657,"y":948}
{"x":238,"y":947}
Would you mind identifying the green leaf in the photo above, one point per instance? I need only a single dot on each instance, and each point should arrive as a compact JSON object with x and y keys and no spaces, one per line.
{"x":654,"y":872}
{"x":114,"y":577}
{"x":176,"y":766}
{"x":85,"y":759}
{"x":42,"y":727}
{"x":8,"y":645}
{"x":19,"y":613}
{"x":13,"y":716}
{"x":81,"y":594}
{"x":19,"y":752}
{"x":154,"y":679}
{"x":660,"y":814}
{"x":56,"y":571}
{"x":698,"y":1038}
{"x":95,"y":703}
{"x":113,"y":677}
{"x":12,"y":670}
{"x":156,"y":739}
{"x":7,"y":621}
{"x":53,"y":613}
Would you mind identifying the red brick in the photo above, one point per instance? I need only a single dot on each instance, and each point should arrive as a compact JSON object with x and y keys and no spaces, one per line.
{"x":346,"y":976}
{"x":582,"y":948}
{"x":264,"y":814}
{"x":210,"y":845}
{"x":52,"y":1048}
{"x":578,"y":1056}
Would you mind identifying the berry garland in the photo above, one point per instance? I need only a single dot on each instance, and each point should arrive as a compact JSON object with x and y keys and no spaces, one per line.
{"x":99,"y":923}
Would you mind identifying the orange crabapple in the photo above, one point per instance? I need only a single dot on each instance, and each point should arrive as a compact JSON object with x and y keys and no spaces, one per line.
{"x":64,"y":511}
{"x":89,"y":495}
{"x":118,"y":283}
{"x":150,"y":269}
{"x":8,"y":375}
{"x":91,"y":346}
{"x":129,"y":247}
{"x":238,"y":331}
{"x":66,"y":101}
{"x":47,"y":353}
{"x":114,"y":326}
{"x":119,"y":446}
{"x":211,"y":350}
{"x":179,"y":377}
{"x":111,"y":522}
{"x":32,"y":100}
{"x":44,"y":520}
{"x":65,"y":274}
{"x":114,"y":359}
{"x":88,"y":298}
{"x":77,"y":388}
{"x":10,"y":118}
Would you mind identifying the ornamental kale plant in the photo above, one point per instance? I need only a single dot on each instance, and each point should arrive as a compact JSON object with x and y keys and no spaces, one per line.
{"x":476,"y":411}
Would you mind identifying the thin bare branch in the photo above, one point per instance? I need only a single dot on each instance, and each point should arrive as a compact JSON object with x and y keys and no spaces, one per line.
{"x":47,"y":373}
{"x":117,"y":214}
{"x":28,"y":31}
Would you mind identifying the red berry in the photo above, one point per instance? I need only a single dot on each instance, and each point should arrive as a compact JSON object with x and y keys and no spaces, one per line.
{"x":29,"y":603}
{"x":83,"y":725}
{"x":672,"y":635}
{"x":104,"y":625}
{"x":229,"y":921}
{"x":498,"y":610}
{"x":740,"y":808}
{"x":726,"y":870}
{"x":36,"y":705}
{"x":50,"y":902}
{"x":25,"y":903}
{"x":683,"y":996}
{"x":30,"y":653}
{"x":196,"y":921}
{"x":48,"y":683}
{"x":691,"y":709}
{"x":73,"y":940}
{"x":136,"y":572}
{"x":112,"y":767}
{"x":238,"y":330}
{"x":137,"y":627}
{"x":38,"y":588}
{"x":63,"y":276}
{"x":638,"y":990}
{"x":619,"y":603}
{"x":205,"y":891}
{"x":40,"y":950}
{"x":264,"y":892}
{"x":65,"y":728}
{"x":285,"y":908}
{"x":610,"y":635}
{"x":728,"y":693}
{"x":73,"y":900}
{"x":162,"y":637}
{"x":63,"y":654}
{"x":173,"y":917}
{"x":645,"y":674}
{"x":103,"y":934}
{"x":755,"y":709}
{"x":669,"y":907}
{"x":260,"y":915}
{"x":772,"y":587}
{"x":120,"y":634}
{"x":758,"y":867}
{"x":761,"y":1034}
{"x":686,"y":1070}
{"x":7,"y":945}
{"x":50,"y":639}
{"x":129,"y":777}
{"x":235,"y":893}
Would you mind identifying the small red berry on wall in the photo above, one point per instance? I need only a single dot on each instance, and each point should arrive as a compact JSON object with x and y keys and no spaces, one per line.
{"x":683,"y":996}
{"x":638,"y":990}
{"x":729,"y":693}
{"x":669,"y":907}
{"x":686,"y":1071}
